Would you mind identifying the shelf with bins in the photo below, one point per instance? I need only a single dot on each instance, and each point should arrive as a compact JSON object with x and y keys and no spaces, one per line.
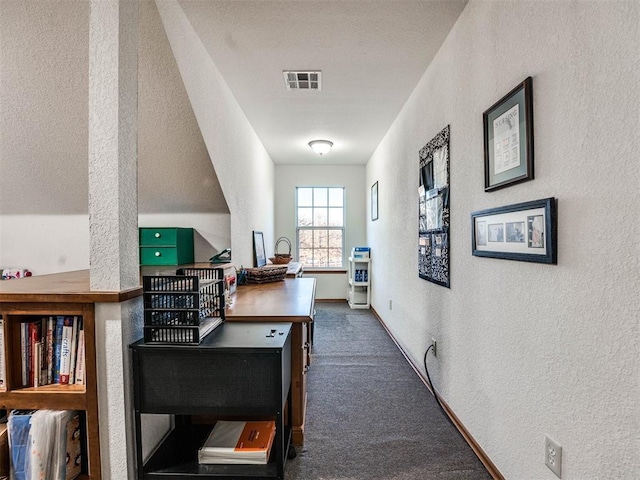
{"x":181,"y":308}
{"x":15,"y":394}
{"x":359,"y":294}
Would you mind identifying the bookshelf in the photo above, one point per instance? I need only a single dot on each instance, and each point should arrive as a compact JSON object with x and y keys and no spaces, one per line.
{"x":62,"y":294}
{"x":359,"y":294}
{"x":54,"y":396}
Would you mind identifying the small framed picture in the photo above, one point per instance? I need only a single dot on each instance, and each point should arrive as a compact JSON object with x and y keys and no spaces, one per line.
{"x":259,"y":256}
{"x":374,"y":201}
{"x":508,"y":138}
{"x":524,"y":231}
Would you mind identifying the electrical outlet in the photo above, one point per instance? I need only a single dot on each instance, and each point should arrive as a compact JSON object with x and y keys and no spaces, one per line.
{"x":434,"y":344}
{"x":390,"y":305}
{"x":553,"y":456}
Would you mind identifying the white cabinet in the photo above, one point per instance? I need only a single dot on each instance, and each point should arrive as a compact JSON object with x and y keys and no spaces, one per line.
{"x":359,"y":294}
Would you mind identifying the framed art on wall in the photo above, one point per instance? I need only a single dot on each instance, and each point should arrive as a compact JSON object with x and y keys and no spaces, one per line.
{"x":433,"y":205}
{"x":524,"y":231}
{"x":508,"y":138}
{"x":374,"y":201}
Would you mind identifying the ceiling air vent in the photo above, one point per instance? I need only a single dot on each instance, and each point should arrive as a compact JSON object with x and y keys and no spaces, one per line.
{"x":309,"y":80}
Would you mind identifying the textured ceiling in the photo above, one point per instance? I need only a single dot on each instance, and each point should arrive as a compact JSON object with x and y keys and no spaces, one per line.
{"x":371,"y":54}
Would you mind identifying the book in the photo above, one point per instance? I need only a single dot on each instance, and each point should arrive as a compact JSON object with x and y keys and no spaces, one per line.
{"x":65,"y":350}
{"x":3,"y":368}
{"x":57,"y":336}
{"x":73,"y":448}
{"x":19,"y":426}
{"x":74,"y":347}
{"x":45,"y":444}
{"x":32,"y":358}
{"x":50,"y":347}
{"x":25,"y":352}
{"x":41,"y":444}
{"x":235,"y":442}
{"x":79,"y":380}
{"x":36,"y":362}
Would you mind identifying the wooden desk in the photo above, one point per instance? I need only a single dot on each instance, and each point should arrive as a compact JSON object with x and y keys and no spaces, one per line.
{"x":290,"y":300}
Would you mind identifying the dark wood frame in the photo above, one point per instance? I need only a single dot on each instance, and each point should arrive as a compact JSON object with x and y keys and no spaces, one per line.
{"x":522,"y":95}
{"x":374,"y":201}
{"x":527,"y":253}
{"x":258,"y":242}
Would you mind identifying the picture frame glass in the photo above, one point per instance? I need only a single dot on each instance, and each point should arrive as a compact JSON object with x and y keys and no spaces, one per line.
{"x":374,"y":201}
{"x":526,"y":232}
{"x":508,"y":138}
{"x":259,"y":255}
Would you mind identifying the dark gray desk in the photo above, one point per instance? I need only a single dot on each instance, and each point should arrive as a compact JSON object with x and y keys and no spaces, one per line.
{"x":239,"y":370}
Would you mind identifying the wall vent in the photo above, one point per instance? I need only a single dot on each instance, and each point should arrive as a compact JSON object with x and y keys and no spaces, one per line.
{"x":302,"y":80}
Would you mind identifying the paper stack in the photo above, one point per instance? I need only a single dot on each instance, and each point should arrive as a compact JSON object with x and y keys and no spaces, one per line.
{"x":44,"y":444}
{"x":238,"y":442}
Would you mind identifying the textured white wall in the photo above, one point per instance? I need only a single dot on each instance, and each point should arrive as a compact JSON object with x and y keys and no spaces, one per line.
{"x":244,"y":169}
{"x":44,"y":52}
{"x":113,"y":144}
{"x":44,"y":49}
{"x":45,"y":243}
{"x":288,"y":177}
{"x":526,"y":349}
{"x":175,"y":174}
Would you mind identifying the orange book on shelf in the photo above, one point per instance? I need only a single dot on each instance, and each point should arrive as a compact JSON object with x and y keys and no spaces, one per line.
{"x":238,"y":442}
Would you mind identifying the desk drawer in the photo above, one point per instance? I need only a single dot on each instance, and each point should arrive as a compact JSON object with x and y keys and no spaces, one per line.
{"x":159,"y":236}
{"x":159,"y":256}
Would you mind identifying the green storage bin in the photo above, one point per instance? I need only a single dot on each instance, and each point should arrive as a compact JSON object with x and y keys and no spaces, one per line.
{"x":166,"y":246}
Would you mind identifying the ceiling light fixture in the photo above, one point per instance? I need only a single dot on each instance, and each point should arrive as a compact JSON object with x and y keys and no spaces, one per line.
{"x":320,"y":146}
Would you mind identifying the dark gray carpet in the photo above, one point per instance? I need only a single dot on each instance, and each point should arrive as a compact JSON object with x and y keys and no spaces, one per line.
{"x":369,"y":416}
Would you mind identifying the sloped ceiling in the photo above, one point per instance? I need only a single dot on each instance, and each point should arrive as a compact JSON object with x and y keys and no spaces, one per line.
{"x":372,"y":53}
{"x":44,"y":62}
{"x":175,"y":173}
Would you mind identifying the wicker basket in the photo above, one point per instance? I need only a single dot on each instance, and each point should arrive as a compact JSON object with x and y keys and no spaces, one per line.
{"x":268,"y":273}
{"x":281,"y":258}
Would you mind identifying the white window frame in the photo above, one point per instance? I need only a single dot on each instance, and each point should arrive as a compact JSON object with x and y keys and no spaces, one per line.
{"x":342,"y":228}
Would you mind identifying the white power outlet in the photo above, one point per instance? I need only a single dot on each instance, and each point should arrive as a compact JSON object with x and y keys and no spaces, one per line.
{"x":553,"y":456}
{"x":434,"y":344}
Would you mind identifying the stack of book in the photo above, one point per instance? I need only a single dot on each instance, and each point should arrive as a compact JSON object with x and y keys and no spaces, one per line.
{"x":45,"y":444}
{"x":238,"y":442}
{"x":52,"y":351}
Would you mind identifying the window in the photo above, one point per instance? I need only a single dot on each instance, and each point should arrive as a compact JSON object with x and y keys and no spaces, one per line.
{"x":320,"y":226}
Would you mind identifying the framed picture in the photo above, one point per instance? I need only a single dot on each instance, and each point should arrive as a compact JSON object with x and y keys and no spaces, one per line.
{"x":508,"y":139}
{"x":259,"y":256}
{"x":433,"y":208}
{"x":374,"y":201}
{"x":524,"y":231}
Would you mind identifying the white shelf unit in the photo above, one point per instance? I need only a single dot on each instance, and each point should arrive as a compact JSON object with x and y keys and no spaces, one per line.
{"x":359,"y":294}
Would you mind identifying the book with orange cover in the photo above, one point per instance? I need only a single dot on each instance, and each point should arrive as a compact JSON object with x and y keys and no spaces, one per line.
{"x":238,"y":442}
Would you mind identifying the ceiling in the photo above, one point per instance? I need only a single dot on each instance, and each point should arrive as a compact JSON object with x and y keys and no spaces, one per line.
{"x":371,"y":53}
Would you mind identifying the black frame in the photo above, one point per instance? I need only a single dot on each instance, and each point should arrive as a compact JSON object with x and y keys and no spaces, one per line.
{"x":541,"y":250}
{"x":259,"y":255}
{"x":433,"y":210}
{"x":522,"y":95}
{"x":374,"y":201}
